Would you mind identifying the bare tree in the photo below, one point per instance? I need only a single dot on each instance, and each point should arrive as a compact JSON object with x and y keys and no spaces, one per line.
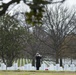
{"x":70,"y":47}
{"x":58,"y":23}
{"x":34,"y":44}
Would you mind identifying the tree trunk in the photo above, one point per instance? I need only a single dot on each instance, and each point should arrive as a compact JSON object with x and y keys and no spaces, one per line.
{"x":61,"y":62}
{"x":71,"y":60}
{"x":33,"y":62}
{"x":9,"y":63}
{"x":57,"y":60}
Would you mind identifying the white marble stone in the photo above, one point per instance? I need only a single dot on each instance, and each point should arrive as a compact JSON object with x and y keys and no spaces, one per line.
{"x":43,"y":66}
{"x":51,"y":67}
{"x":72,"y":67}
{"x":66,"y":67}
{"x":57,"y":67}
{"x":3,"y":66}
{"x":15,"y":65}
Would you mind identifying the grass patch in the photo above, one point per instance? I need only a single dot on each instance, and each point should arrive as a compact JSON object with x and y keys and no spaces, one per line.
{"x":36,"y":73}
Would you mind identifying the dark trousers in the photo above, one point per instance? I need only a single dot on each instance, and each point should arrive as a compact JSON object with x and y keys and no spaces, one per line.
{"x":37,"y":68}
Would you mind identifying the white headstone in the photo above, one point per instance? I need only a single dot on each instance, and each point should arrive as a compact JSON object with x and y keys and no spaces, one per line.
{"x":72,"y":67}
{"x":66,"y":67}
{"x":61,"y":69}
{"x":15,"y":65}
{"x":26,"y":67}
{"x":51,"y":67}
{"x":43,"y":66}
{"x":57,"y":68}
{"x":3,"y":66}
{"x":21,"y":68}
{"x":33,"y":68}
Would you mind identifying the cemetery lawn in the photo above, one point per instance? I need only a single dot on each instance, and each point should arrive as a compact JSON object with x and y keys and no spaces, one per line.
{"x":35,"y":73}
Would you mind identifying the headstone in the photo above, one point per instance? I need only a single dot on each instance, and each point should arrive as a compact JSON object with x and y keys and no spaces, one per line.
{"x":3,"y":66}
{"x":33,"y":68}
{"x":51,"y":67}
{"x":57,"y":67}
{"x":15,"y":65}
{"x":75,"y":67}
{"x":25,"y":66}
{"x":28,"y":66}
{"x":21,"y":68}
{"x":43,"y":66}
{"x":72,"y":67}
{"x":61,"y":69}
{"x":66,"y":67}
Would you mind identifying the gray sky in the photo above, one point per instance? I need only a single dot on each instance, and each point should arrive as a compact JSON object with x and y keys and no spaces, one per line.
{"x":68,"y":2}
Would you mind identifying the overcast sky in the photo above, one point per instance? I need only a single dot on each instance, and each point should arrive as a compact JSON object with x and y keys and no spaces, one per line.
{"x":68,"y":2}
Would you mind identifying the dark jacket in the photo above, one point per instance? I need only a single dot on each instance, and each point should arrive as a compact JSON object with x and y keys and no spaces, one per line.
{"x":38,"y":61}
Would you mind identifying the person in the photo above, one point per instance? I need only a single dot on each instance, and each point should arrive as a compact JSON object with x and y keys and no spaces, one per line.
{"x":38,"y":58}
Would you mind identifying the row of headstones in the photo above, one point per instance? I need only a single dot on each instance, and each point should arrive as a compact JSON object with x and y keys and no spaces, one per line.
{"x":52,"y":67}
{"x":57,"y":67}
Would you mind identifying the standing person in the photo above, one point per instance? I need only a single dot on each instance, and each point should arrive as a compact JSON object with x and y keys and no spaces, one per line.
{"x":38,"y":57}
